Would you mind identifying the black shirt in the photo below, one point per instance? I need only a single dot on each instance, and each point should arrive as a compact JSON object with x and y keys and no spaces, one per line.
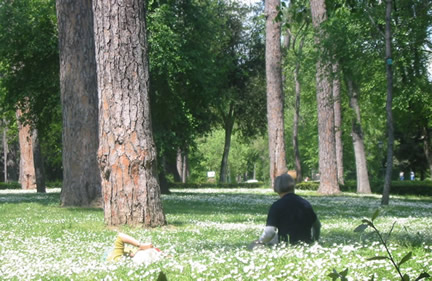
{"x":293,"y":216}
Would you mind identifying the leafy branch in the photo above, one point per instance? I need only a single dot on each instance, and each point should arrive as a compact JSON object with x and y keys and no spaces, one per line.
{"x":361,"y":228}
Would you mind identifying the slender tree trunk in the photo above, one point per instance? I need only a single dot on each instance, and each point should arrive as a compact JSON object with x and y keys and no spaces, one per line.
{"x":163,"y":182}
{"x":38,"y":163}
{"x":179,"y":165}
{"x":327,"y":147}
{"x":275,"y":97}
{"x":390,"y":131}
{"x":427,"y":149}
{"x":182,"y":165}
{"x":296,"y":122}
{"x":27,"y":176}
{"x":78,"y":85}
{"x":185,"y":168}
{"x":127,"y":153}
{"x":228,"y":125}
{"x":363,"y":185}
{"x":5,"y":150}
{"x":338,"y":123}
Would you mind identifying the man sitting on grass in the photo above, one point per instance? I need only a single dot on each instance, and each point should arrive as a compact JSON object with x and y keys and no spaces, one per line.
{"x":292,"y":216}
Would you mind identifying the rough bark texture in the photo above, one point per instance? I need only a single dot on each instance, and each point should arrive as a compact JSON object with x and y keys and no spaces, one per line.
{"x":363,"y":185}
{"x":390,"y":131}
{"x":326,"y":133}
{"x":338,"y":123}
{"x":275,"y":98}
{"x":78,"y":84}
{"x":27,"y":174}
{"x":127,"y":153}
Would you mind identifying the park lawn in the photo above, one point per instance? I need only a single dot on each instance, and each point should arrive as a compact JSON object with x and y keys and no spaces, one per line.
{"x":206,"y":238}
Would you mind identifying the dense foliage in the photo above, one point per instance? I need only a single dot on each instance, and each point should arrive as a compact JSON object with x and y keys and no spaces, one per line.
{"x":206,"y":57}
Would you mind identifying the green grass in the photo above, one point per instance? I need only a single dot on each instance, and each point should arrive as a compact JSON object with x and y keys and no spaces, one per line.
{"x":206,"y":238}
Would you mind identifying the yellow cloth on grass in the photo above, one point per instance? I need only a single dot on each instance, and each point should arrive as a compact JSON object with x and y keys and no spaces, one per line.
{"x":120,"y":250}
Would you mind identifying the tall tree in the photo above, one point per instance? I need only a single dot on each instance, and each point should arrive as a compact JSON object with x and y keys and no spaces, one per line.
{"x":336,"y":88}
{"x":239,"y":105}
{"x":275,"y":97}
{"x":27,"y":174}
{"x":363,"y":185}
{"x":78,"y":85}
{"x":326,"y":131}
{"x":182,"y":37}
{"x":127,"y":153}
{"x":29,"y":63}
{"x":390,"y":130}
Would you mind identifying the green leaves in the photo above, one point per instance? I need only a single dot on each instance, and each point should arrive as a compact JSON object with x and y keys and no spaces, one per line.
{"x":342,"y":275}
{"x":361,"y":228}
{"x":369,"y":223}
{"x":406,"y":258}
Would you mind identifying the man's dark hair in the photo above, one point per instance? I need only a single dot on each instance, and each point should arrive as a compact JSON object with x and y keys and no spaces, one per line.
{"x":284,"y":183}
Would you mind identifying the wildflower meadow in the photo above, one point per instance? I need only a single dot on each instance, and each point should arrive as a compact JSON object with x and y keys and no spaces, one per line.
{"x":207,"y":236}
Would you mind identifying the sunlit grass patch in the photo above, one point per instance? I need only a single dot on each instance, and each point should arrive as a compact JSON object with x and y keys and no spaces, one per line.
{"x":206,"y":238}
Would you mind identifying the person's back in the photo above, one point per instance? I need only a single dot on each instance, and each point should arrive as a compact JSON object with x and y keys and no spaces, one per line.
{"x":293,"y":216}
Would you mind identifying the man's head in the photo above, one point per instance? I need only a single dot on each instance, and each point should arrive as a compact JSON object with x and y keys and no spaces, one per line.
{"x":284,"y":184}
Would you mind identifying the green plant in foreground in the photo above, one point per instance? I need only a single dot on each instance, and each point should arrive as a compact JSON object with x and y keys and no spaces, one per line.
{"x":369,"y":223}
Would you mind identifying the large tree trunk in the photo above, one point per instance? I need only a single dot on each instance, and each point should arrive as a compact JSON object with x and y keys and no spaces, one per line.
{"x":127,"y":153}
{"x":427,"y":148}
{"x":38,"y":163}
{"x":27,"y":175}
{"x":338,"y":123}
{"x":275,"y":97}
{"x":81,"y":176}
{"x":390,"y":131}
{"x":327,"y":147}
{"x":228,"y":127}
{"x":363,"y":185}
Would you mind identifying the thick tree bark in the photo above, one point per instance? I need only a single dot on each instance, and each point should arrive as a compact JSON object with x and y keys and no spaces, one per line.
{"x":275,"y":97}
{"x":363,"y":185}
{"x":27,"y":174}
{"x":78,"y":85}
{"x":390,"y":131}
{"x":338,"y":123}
{"x":327,"y":147}
{"x":127,"y":153}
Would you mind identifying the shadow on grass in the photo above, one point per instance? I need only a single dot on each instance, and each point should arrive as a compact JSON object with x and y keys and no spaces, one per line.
{"x":39,"y":198}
